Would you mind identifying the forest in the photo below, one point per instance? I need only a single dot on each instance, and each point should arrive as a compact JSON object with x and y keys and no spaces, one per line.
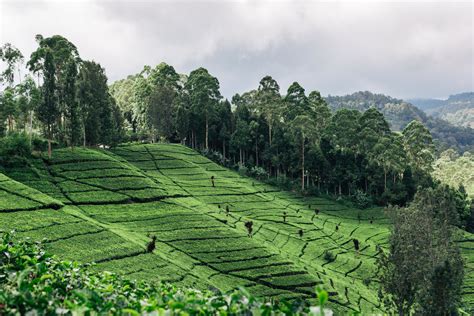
{"x":61,"y":121}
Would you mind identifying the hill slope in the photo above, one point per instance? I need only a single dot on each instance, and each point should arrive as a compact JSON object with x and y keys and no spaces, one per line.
{"x":399,"y":113}
{"x":115,"y":199}
{"x":458,"y":109}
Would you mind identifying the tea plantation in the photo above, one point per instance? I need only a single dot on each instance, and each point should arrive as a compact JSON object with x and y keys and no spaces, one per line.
{"x":103,"y":206}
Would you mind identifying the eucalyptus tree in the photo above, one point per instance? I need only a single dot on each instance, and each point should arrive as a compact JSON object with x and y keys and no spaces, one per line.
{"x":64,"y":55}
{"x":9,"y":107}
{"x":269,"y":102}
{"x":296,"y":102}
{"x":13,"y":58}
{"x":322,"y":113}
{"x":48,"y":110}
{"x":96,"y":105}
{"x":30,"y":99}
{"x":302,"y":128}
{"x":204,"y":95}
{"x":419,"y":147}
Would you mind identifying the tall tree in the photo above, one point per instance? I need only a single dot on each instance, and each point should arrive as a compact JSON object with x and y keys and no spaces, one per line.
{"x":204,"y":94}
{"x":419,"y":146}
{"x":48,"y":110}
{"x":422,"y":251}
{"x":296,"y":102}
{"x":269,"y":102}
{"x":63,"y":53}
{"x":72,"y":106}
{"x":96,"y":104}
{"x":13,"y":59}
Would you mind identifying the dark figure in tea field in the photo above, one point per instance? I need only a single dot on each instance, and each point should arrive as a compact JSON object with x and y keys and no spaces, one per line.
{"x":337,"y":227}
{"x":300,"y":232}
{"x":356,"y":244}
{"x":227,"y":211}
{"x":212,"y":180}
{"x":316,"y":211}
{"x":151,"y":245}
{"x":249,"y":226}
{"x":284,"y":217}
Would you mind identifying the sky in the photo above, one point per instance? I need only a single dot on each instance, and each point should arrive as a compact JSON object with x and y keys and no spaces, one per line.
{"x":404,"y":49}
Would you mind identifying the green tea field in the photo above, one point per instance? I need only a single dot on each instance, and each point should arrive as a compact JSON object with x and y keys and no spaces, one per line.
{"x":103,"y":206}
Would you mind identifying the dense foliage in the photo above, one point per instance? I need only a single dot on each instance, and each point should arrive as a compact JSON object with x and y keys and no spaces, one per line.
{"x":458,"y":109}
{"x":292,"y":136}
{"x":400,"y":113}
{"x":32,"y":281}
{"x":423,"y":270}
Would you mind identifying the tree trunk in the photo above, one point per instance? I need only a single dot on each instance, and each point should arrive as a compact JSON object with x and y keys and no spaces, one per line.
{"x":340,"y":188}
{"x":302,"y":164}
{"x":385,"y":180}
{"x":84,"y":135}
{"x":240,"y":155}
{"x":31,"y":126}
{"x":49,"y":141}
{"x":256,"y":153}
{"x":270,"y":133}
{"x":223,"y":148}
{"x":207,"y":132}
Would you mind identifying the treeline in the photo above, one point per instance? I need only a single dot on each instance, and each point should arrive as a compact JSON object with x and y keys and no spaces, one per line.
{"x":291,"y":137}
{"x":65,"y":98}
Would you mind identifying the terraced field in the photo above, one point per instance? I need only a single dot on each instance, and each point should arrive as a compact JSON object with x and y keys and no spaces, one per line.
{"x":103,"y":206}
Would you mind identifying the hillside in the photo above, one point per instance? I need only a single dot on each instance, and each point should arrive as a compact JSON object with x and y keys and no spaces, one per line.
{"x":399,"y":113}
{"x":114,"y":200}
{"x":458,"y":109}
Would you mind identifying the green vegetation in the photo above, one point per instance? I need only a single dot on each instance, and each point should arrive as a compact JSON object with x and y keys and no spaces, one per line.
{"x":456,"y":170}
{"x":115,"y":200}
{"x":165,"y":213}
{"x":400,"y":113}
{"x":458,"y":109}
{"x":34,"y":282}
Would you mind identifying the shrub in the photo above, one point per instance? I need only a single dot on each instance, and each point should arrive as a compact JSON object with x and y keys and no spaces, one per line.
{"x":361,"y":199}
{"x":15,"y":144}
{"x":257,"y":172}
{"x":329,"y":256}
{"x":35,"y":283}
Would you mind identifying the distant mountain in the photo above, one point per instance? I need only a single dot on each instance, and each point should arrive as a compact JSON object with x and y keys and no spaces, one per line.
{"x":458,"y":109}
{"x":399,"y":113}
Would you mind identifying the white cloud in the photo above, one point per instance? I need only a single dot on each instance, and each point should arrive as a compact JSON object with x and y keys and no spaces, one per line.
{"x":403,"y":49}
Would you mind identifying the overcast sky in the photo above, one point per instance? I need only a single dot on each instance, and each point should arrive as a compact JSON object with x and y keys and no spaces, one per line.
{"x":403,"y":49}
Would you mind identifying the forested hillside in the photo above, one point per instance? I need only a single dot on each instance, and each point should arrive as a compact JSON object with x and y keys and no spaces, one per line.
{"x":458,"y":109}
{"x":159,"y":177}
{"x":197,"y":215}
{"x":446,"y":132}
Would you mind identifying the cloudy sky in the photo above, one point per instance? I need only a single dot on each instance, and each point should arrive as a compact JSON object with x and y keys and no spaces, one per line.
{"x":404,"y":49}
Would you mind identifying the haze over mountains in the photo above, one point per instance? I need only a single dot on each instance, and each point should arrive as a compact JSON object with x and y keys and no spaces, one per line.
{"x":458,"y":109}
{"x":440,"y":116}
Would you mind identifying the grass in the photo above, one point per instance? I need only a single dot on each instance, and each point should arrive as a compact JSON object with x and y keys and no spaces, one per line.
{"x":114,"y":200}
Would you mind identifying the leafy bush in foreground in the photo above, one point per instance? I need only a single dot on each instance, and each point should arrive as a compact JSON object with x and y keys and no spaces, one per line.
{"x":33,"y":281}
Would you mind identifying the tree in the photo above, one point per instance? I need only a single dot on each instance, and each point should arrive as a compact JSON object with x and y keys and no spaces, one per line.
{"x":48,"y":110}
{"x":322,"y":113}
{"x":269,"y":102}
{"x":419,"y":147}
{"x":13,"y":58}
{"x":9,"y":107}
{"x":302,"y":129}
{"x":30,"y":98}
{"x":72,"y":106}
{"x":422,"y":250}
{"x":204,"y":94}
{"x":161,"y":110}
{"x":63,"y":53}
{"x":96,"y":104}
{"x":296,"y":102}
